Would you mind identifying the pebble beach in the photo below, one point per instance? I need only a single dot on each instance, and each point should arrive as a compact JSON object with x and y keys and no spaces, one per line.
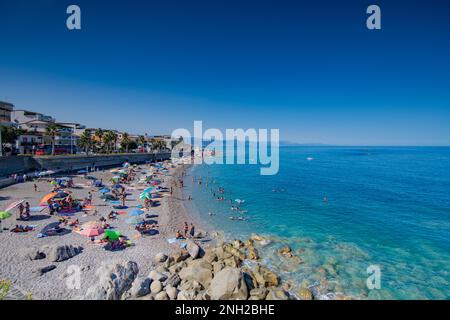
{"x":23,"y":273}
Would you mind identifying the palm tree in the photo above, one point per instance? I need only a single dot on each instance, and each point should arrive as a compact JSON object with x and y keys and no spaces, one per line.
{"x":125,"y":141}
{"x":142,"y":142}
{"x":108,"y":139}
{"x":158,"y":145}
{"x":52,"y":131}
{"x":86,"y":141}
{"x":115,"y":137}
{"x":99,"y":138}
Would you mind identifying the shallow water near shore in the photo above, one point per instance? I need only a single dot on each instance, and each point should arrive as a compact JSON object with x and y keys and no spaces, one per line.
{"x":341,"y":212}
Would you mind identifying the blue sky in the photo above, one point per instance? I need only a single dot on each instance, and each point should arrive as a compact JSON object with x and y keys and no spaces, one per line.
{"x":309,"y":68}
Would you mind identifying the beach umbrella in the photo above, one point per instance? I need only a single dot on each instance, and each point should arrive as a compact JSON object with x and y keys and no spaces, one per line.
{"x":135,"y":220}
{"x":104,"y":190}
{"x":13,"y":205}
{"x":117,"y":186}
{"x":61,"y":195}
{"x":114,"y":170}
{"x":90,"y":224}
{"x":135,"y":213}
{"x":53,"y":183}
{"x":48,"y":197}
{"x":4,"y":215}
{"x":111,"y":234}
{"x":144,"y":195}
{"x":92,"y":232}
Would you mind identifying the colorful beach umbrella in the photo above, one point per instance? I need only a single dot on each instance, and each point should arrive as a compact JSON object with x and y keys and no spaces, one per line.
{"x":117,"y":186}
{"x":90,"y":224}
{"x":92,"y":232}
{"x":4,"y":215}
{"x":61,"y":195}
{"x":145,"y":195}
{"x":135,"y":213}
{"x":48,"y":197}
{"x":111,"y":234}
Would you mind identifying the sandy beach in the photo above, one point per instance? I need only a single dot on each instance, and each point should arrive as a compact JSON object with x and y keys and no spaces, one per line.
{"x":16,"y":267}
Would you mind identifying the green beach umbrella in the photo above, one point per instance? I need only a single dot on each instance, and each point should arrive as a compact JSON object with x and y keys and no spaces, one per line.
{"x":145,"y":195}
{"x":112,"y":234}
{"x":4,"y":215}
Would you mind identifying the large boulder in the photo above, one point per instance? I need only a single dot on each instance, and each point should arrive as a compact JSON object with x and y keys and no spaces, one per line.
{"x":156,"y":287}
{"x":305,"y":294}
{"x":140,"y":287}
{"x":260,"y":293}
{"x":161,"y":296}
{"x":157,"y":276}
{"x":172,"y":292}
{"x":193,"y":249}
{"x":160,"y":257}
{"x":198,"y":273}
{"x":115,"y":278}
{"x":173,"y":280}
{"x":60,"y":253}
{"x":180,"y":255}
{"x":277,"y":294}
{"x":228,"y":284}
{"x":265,"y":277}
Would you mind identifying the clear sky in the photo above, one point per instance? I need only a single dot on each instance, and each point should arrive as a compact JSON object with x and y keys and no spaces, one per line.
{"x":310,"y":68}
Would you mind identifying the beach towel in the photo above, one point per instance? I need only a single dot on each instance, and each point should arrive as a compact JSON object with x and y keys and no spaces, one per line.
{"x":115,"y":202}
{"x":172,"y":240}
{"x":37,"y":209}
{"x":121,"y":212}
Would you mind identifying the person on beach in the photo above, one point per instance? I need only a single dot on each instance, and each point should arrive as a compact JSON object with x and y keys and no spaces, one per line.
{"x":35,"y":187}
{"x":21,"y":208}
{"x":123,"y":198}
{"x":89,"y":197}
{"x":186,"y":229}
{"x":178,"y":235}
{"x":27,"y":214}
{"x":192,"y":231}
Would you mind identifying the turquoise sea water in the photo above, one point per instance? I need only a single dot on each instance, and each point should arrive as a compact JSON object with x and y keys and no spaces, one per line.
{"x":385,"y":206}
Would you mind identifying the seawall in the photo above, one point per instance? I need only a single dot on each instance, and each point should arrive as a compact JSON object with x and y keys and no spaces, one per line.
{"x":23,"y":164}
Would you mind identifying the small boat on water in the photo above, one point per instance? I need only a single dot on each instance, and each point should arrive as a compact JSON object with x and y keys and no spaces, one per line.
{"x":310,"y":158}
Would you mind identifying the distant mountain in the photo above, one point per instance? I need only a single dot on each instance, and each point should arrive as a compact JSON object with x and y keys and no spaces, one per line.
{"x":296,"y":144}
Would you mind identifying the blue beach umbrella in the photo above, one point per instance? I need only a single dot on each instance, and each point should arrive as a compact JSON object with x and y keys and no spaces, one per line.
{"x":135,"y":213}
{"x":135,"y":220}
{"x":104,"y":190}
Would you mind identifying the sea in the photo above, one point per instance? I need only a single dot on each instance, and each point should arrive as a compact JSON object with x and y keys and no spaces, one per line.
{"x":366,"y":222}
